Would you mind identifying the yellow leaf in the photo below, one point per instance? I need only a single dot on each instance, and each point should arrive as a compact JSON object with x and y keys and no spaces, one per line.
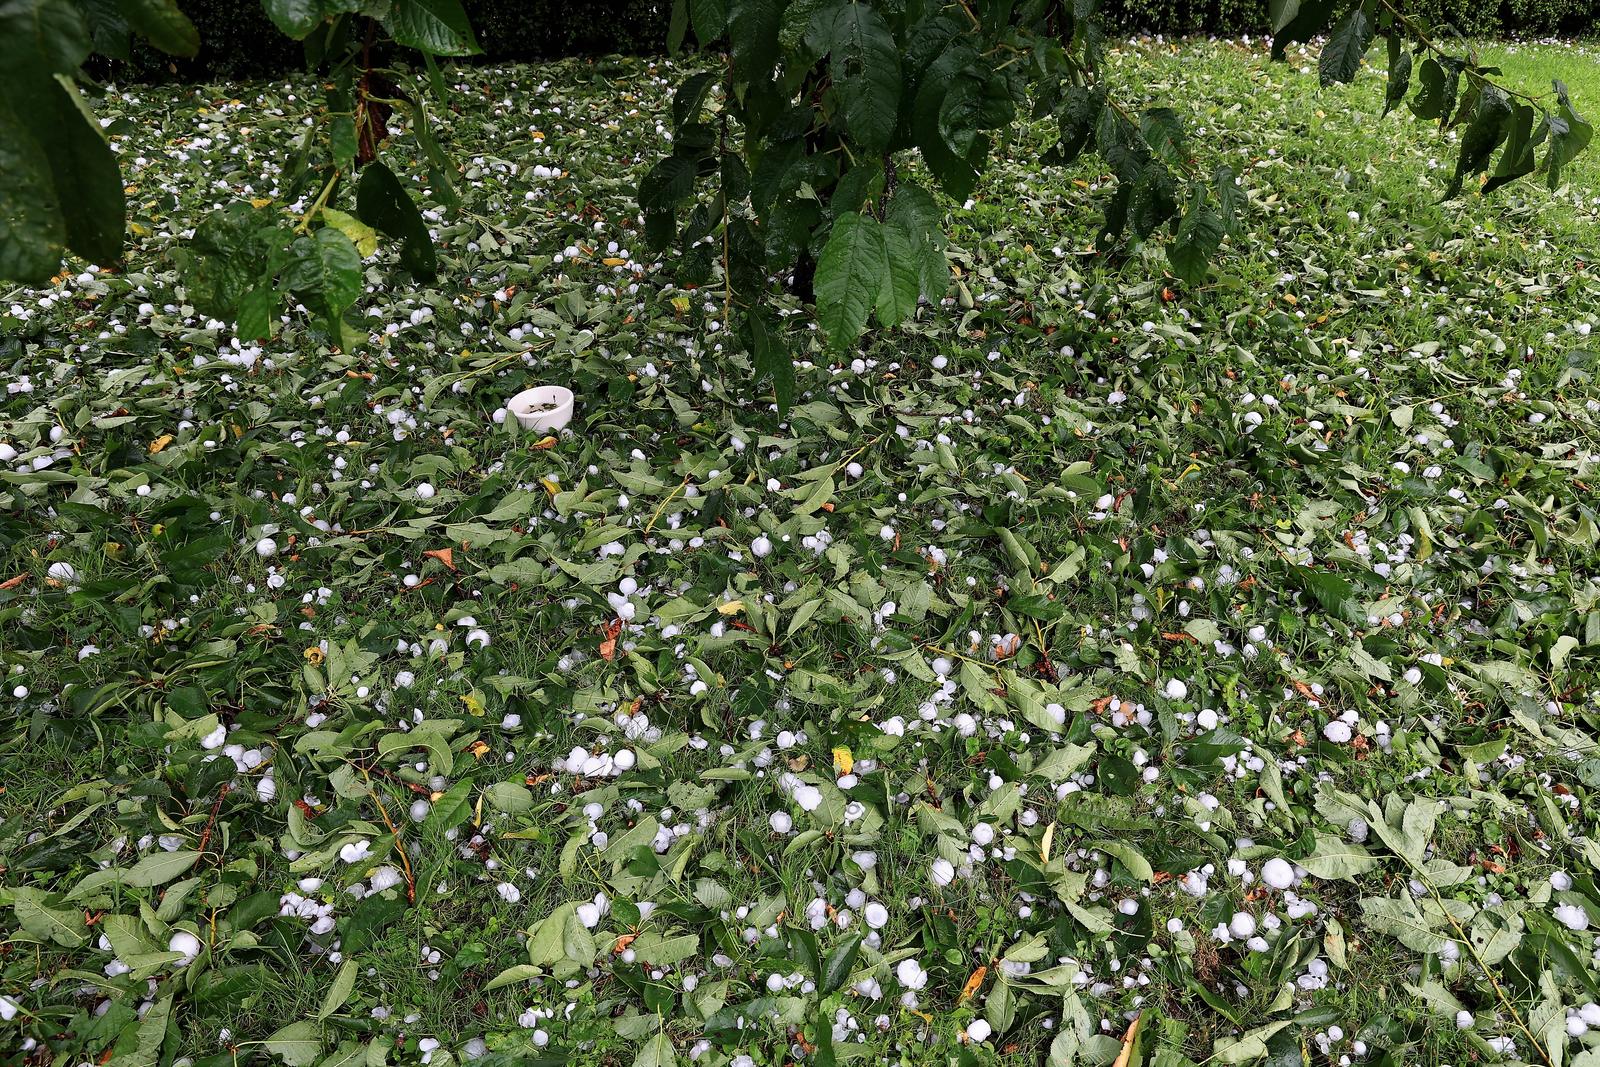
{"x":364,"y":237}
{"x":843,"y":761}
{"x":732,"y":607}
{"x":260,"y":201}
{"x":1044,"y":846}
{"x":139,"y":229}
{"x":550,"y":486}
{"x":613,"y":261}
{"x":474,"y":705}
{"x":161,"y":442}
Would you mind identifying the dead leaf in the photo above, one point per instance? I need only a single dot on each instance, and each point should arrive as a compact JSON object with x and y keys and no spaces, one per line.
{"x":161,"y":442}
{"x":608,"y":646}
{"x":446,"y":556}
{"x":974,"y":983}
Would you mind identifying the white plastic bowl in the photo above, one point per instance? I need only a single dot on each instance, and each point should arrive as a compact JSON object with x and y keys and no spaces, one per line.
{"x":544,"y":407}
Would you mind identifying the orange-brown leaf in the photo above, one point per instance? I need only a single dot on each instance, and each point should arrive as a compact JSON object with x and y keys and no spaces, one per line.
{"x":974,"y":983}
{"x":608,"y":646}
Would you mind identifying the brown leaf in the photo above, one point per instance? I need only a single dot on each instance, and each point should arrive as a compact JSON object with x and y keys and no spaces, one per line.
{"x":974,"y":983}
{"x":446,"y":556}
{"x":608,"y":646}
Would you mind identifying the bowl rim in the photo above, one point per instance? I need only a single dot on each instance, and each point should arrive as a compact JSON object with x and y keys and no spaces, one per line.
{"x":562,"y":396}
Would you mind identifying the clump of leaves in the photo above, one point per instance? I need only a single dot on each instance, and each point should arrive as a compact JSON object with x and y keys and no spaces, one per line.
{"x":798,"y":166}
{"x":61,"y":187}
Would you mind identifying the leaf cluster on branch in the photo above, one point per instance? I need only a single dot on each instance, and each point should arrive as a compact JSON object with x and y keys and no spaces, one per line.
{"x":789,"y":158}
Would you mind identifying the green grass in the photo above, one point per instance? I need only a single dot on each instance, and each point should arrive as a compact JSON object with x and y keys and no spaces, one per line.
{"x":1449,"y":604}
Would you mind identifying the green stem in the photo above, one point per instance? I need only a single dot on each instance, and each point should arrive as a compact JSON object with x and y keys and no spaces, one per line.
{"x":317,"y":205}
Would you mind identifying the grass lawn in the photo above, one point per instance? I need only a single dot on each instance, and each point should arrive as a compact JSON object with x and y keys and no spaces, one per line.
{"x":1092,"y":649}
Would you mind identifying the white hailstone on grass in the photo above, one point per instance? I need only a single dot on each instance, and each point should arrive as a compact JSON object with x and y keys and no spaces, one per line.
{"x":356,"y":851}
{"x":266,"y":548}
{"x":761,"y":547}
{"x":385,"y":877}
{"x":1176,"y":689}
{"x":1338,"y":732}
{"x":623,"y":760}
{"x":478,"y":638}
{"x":886,"y":532}
{"x":425,"y":491}
{"x":185,"y":943}
{"x":266,"y":789}
{"x":911,"y":974}
{"x":1560,"y":881}
{"x":979,"y":1030}
{"x":1464,"y":1020}
{"x":781,"y":822}
{"x":1278,"y":873}
{"x":62,"y":572}
{"x":508,"y":892}
{"x":1242,"y":925}
{"x":982,"y":834}
{"x":942,"y":872}
{"x":876,"y":914}
{"x":420,"y":809}
{"x":213,"y":740}
{"x":809,"y":797}
{"x":8,"y":1009}
{"x":1572,"y":917}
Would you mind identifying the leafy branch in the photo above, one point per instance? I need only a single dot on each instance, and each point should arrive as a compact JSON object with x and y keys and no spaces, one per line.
{"x":827,"y":94}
